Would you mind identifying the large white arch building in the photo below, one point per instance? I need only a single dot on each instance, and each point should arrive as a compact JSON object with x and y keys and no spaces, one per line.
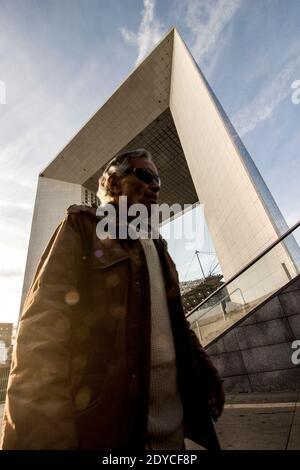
{"x":167,"y":106}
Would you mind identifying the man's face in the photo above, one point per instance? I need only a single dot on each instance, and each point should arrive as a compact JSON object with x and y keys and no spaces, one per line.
{"x":138,"y":191}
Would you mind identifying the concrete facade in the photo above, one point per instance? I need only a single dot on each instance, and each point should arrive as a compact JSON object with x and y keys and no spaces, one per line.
{"x":256,"y":354}
{"x":166,"y":106}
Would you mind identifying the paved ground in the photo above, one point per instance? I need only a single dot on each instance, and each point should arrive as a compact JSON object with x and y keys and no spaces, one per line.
{"x":259,"y":421}
{"x":256,"y":421}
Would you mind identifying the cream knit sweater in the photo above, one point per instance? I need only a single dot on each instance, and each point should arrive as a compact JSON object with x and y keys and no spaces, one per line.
{"x":165,"y":417}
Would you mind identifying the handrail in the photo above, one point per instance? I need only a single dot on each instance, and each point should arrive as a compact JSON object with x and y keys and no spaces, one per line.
{"x":248,"y":265}
{"x":222,"y":298}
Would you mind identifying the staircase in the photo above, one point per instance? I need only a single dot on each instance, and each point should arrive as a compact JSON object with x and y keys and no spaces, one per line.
{"x":252,"y":330}
{"x":250,"y":287}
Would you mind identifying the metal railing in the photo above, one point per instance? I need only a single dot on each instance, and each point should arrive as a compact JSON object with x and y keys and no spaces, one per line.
{"x":221,"y":300}
{"x":269,"y":271}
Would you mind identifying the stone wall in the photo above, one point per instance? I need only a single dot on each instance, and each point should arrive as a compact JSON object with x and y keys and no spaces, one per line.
{"x":255,"y":355}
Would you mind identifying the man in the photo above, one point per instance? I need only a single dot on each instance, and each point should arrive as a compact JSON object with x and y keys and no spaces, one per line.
{"x":104,"y":357}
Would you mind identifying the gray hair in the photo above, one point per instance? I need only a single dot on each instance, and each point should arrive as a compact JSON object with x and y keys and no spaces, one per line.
{"x":118,"y":165}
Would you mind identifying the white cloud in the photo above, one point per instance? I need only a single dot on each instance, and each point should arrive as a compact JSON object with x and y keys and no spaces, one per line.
{"x":267,"y":100}
{"x":10,"y":300}
{"x":149,"y":32}
{"x":129,"y":36}
{"x":36,"y":121}
{"x":6,"y":273}
{"x":207,"y":21}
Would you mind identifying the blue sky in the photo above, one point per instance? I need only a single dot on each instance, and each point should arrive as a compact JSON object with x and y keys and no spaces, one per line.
{"x":60,"y":60}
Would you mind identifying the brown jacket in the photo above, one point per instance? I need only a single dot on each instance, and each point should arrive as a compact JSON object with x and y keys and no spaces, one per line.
{"x":80,"y":369}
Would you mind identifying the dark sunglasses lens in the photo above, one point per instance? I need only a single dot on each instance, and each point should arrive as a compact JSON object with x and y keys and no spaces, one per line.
{"x":146,"y":176}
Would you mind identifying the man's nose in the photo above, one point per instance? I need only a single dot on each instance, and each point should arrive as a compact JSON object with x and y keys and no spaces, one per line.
{"x":154,"y":187}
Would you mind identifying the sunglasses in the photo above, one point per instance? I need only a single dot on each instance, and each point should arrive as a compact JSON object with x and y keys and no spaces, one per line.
{"x":144,"y":175}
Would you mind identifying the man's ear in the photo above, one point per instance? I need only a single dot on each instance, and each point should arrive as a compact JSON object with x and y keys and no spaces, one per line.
{"x":114,"y":184}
